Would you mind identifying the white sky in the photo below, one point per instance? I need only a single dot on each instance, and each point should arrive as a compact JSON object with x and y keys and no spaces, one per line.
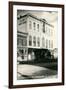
{"x":49,"y":16}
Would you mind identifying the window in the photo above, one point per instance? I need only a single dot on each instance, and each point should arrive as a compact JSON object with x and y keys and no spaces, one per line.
{"x":20,"y":42}
{"x":46,"y":43}
{"x":34,"y":41}
{"x":38,"y":41}
{"x":44,"y":27}
{"x":24,"y":40}
{"x":30,"y":24}
{"x":38,"y":27}
{"x":43,"y":42}
{"x":34,"y":25}
{"x":30,"y":40}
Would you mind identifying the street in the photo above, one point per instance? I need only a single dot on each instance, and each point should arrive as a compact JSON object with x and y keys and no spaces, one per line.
{"x":26,"y":71}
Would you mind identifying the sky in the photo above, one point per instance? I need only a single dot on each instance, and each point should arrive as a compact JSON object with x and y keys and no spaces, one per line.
{"x":42,"y":14}
{"x":50,"y":16}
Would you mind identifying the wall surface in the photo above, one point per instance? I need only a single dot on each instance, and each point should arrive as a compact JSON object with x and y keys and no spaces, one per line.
{"x":4,"y":45}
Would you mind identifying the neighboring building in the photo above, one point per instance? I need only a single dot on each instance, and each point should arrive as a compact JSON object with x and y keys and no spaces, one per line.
{"x":33,"y":34}
{"x":54,"y":53}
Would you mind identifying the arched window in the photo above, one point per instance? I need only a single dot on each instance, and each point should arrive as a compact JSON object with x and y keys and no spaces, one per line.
{"x":38,"y":41}
{"x":43,"y":27}
{"x":34,"y":25}
{"x":46,"y":43}
{"x":43,"y":42}
{"x":34,"y":41}
{"x":30,"y":24}
{"x":30,"y":40}
{"x":38,"y":27}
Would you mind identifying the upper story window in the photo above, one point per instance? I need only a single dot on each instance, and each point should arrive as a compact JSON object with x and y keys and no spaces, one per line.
{"x":34,"y":25}
{"x":30,"y":40}
{"x":38,"y":41}
{"x":43,"y":42}
{"x":22,"y":41}
{"x":44,"y":27}
{"x":30,"y":24}
{"x":38,"y":27}
{"x":34,"y":41}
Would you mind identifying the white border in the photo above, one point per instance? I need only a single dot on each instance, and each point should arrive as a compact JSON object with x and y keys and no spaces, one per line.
{"x":24,"y":82}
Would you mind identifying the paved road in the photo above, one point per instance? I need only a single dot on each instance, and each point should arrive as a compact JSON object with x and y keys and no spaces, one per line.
{"x":26,"y":71}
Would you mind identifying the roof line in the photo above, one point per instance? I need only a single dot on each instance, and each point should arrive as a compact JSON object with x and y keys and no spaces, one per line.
{"x":33,"y":16}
